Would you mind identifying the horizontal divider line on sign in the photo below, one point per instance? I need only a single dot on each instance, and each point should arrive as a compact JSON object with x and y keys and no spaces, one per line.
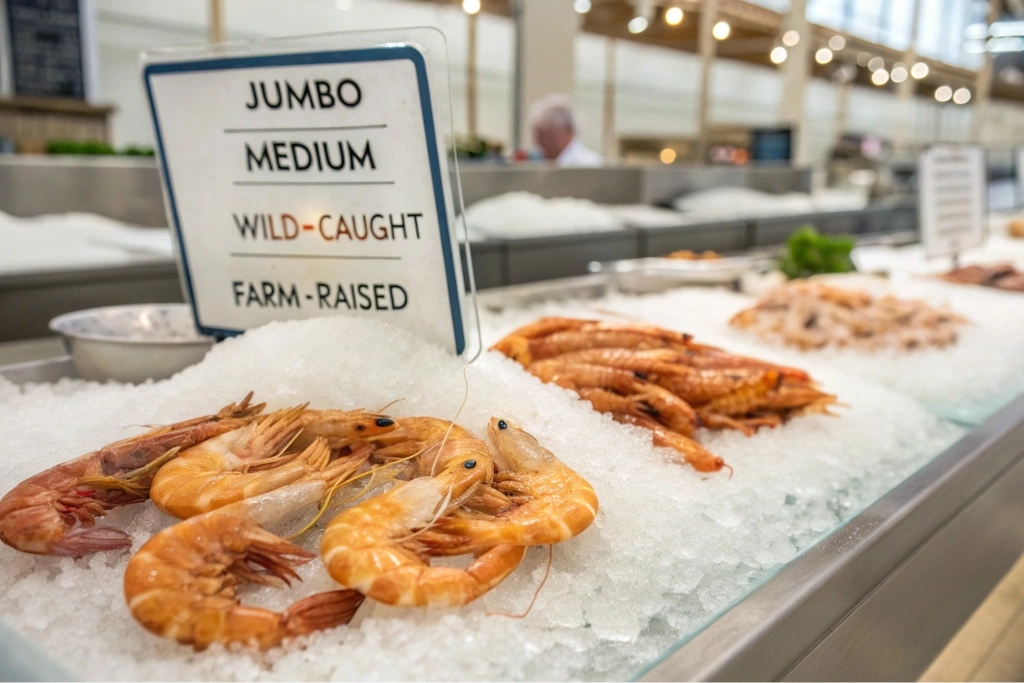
{"x":241,"y":254}
{"x":303,"y":128}
{"x":314,"y":182}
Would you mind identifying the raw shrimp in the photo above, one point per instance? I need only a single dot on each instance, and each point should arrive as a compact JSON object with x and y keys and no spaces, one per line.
{"x":374,"y":547}
{"x":182,"y":583}
{"x":53,"y":512}
{"x":748,"y":396}
{"x":603,"y":335}
{"x":552,"y":502}
{"x":252,"y":460}
{"x":672,"y":411}
{"x":414,"y":435}
{"x":694,"y":455}
{"x":549,"y":325}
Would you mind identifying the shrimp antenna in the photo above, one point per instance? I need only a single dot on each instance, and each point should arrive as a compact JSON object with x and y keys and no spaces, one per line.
{"x":325,"y":503}
{"x":547,"y":572}
{"x":397,"y":400}
{"x":462,"y":406}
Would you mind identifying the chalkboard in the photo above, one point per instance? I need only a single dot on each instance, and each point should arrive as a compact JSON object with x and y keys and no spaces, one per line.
{"x":46,"y":47}
{"x":771,"y":145}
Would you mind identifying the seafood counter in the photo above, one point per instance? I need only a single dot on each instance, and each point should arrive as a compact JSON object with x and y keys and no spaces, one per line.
{"x":616,"y":476}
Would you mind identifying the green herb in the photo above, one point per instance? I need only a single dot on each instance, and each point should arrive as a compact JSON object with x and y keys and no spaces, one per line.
{"x":810,"y":253}
{"x":92,"y":148}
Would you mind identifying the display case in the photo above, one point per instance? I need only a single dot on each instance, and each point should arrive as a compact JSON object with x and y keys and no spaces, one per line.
{"x":875,"y":597}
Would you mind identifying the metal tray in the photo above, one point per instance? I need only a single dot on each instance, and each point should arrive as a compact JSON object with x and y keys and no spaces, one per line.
{"x":653,"y":274}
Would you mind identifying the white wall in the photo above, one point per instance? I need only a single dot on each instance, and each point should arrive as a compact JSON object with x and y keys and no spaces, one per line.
{"x":656,"y":88}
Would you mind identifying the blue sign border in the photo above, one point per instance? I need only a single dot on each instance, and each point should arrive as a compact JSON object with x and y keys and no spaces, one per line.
{"x":376,"y":54}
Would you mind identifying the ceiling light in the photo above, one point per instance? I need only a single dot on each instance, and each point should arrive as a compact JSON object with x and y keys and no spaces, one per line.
{"x":721,"y":30}
{"x":823,"y":56}
{"x":837,"y":43}
{"x":899,"y":74}
{"x":778,"y":55}
{"x":790,"y":38}
{"x":637,"y":24}
{"x":943,"y":93}
{"x":673,"y":16}
{"x":667,"y":156}
{"x":581,"y":6}
{"x":876,"y":63}
{"x":919,"y":70}
{"x":343,"y":5}
{"x":962,"y":96}
{"x":471,"y":6}
{"x":880,"y":77}
{"x":863,"y":58}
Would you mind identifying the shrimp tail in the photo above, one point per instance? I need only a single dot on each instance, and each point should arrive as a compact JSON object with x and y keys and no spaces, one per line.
{"x":322,"y":611}
{"x":84,"y":541}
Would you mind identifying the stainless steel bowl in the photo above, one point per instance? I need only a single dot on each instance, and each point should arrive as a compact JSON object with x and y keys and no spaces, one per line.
{"x":132,"y":343}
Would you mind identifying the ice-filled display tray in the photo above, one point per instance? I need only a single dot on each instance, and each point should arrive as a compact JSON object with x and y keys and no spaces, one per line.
{"x":875,"y":576}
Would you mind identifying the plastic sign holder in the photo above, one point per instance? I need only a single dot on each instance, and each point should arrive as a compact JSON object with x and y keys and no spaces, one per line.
{"x":309,"y":176}
{"x":952,"y":199}
{"x":1018,"y":168}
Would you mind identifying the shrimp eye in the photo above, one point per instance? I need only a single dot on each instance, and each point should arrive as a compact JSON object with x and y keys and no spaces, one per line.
{"x":469,"y":464}
{"x":384,"y":422}
{"x":502,"y":424}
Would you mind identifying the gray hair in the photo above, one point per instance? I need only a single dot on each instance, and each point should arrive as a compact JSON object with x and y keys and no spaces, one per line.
{"x":553,"y":111}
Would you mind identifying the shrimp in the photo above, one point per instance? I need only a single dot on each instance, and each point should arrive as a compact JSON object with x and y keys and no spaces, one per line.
{"x":182,"y":583}
{"x":252,"y":460}
{"x":53,"y":512}
{"x":748,"y":396}
{"x":545,"y":326}
{"x":552,"y":503}
{"x":374,"y":547}
{"x":605,"y":335}
{"x":694,"y":455}
{"x":667,"y":407}
{"x":414,"y":435}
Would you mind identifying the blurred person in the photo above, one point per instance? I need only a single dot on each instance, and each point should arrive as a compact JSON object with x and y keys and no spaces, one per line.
{"x":554,"y":133}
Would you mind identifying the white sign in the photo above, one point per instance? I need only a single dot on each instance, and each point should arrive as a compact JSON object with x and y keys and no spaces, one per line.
{"x":308,"y":184}
{"x":951,"y":198}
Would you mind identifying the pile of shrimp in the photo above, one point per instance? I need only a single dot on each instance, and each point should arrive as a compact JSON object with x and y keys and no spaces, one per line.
{"x":813,"y":315}
{"x":1000,"y":276}
{"x":663,"y":381}
{"x":230,"y":476}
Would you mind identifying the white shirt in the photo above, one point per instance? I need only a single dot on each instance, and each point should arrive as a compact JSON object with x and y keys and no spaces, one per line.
{"x":577,"y":154}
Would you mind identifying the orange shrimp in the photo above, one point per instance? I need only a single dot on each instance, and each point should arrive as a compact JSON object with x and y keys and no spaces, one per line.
{"x":749,"y":396}
{"x":182,"y":583}
{"x":694,"y":455}
{"x":414,"y":435}
{"x":552,"y":503}
{"x":53,"y":513}
{"x":548,"y":325}
{"x":666,"y":406}
{"x":252,"y":460}
{"x":526,"y":351}
{"x":375,"y":547}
